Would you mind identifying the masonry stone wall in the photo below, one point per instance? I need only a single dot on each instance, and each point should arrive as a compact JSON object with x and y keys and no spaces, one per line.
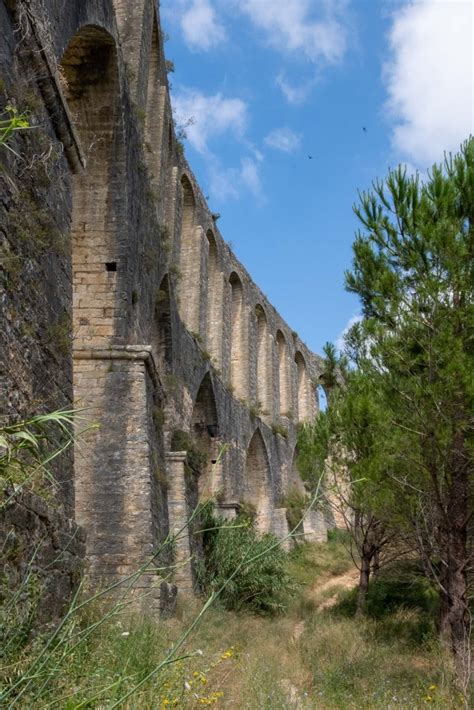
{"x":42,"y":558}
{"x":163,"y":329}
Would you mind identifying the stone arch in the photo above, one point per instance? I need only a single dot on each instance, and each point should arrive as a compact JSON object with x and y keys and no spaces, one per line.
{"x":205,"y":431}
{"x":258,"y":480}
{"x":284,"y":375}
{"x":89,"y":67}
{"x":263,"y":362}
{"x":214,"y":301}
{"x":162,"y":334}
{"x":238,"y":349}
{"x":305,"y":410}
{"x":190,"y":259}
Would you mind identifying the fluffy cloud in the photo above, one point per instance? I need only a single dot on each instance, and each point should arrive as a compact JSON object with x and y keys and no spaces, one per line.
{"x":208,"y":116}
{"x":199,"y":23}
{"x":293,"y":94}
{"x":294,"y":26}
{"x":228,"y":183}
{"x":429,"y":78}
{"x":283,"y":139}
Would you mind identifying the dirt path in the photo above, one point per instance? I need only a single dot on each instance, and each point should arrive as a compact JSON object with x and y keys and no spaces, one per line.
{"x":342,"y":581}
{"x":348,"y":580}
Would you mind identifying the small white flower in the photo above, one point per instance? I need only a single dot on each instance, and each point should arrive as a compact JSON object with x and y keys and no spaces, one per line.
{"x":125,"y":633}
{"x":199,"y":652}
{"x":186,"y":685}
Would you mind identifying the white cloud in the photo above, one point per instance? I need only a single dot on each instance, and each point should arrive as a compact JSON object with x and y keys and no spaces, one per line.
{"x":250,"y":176}
{"x":293,"y":94}
{"x":208,"y":116}
{"x":340,"y":339}
{"x":228,"y":183}
{"x":199,"y":23}
{"x":429,"y":78}
{"x":283,"y":139}
{"x":294,"y":26}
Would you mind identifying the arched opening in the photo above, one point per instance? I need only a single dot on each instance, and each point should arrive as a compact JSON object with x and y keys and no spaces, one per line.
{"x":162,"y":336}
{"x":263,"y":369}
{"x":303,"y":389}
{"x":190,"y":260}
{"x":283,"y":374}
{"x":321,"y":399}
{"x":257,"y":480}
{"x":215,"y":301}
{"x":238,"y":349}
{"x":89,"y":68}
{"x":205,"y":432}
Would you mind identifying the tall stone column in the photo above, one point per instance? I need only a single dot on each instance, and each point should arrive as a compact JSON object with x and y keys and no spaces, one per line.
{"x":178,"y":518}
{"x":279,"y":526}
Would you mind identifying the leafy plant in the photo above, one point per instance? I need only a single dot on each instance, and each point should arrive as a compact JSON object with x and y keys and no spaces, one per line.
{"x":261,"y":584}
{"x":9,"y":126}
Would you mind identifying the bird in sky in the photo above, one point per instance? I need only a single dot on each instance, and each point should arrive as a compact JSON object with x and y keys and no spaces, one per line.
{"x":310,"y":157}
{"x":364,"y":129}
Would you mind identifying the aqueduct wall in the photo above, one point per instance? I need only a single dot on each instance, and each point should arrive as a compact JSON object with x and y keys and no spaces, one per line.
{"x":121,"y":295}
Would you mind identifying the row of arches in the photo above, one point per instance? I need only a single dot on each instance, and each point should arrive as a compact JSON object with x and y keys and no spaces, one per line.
{"x":259,"y":486}
{"x":214,"y":306}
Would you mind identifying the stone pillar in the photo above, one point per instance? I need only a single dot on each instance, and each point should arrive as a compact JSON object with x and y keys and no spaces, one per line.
{"x":280,"y":526}
{"x":178,"y":518}
{"x":314,"y":526}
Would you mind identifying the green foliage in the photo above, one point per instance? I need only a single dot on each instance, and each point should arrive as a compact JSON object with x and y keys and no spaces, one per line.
{"x":279,"y":429}
{"x":196,"y":458}
{"x":401,"y":585}
{"x":247,"y":512}
{"x":28,"y":447}
{"x":13,"y":122}
{"x":295,"y":502}
{"x":259,"y":585}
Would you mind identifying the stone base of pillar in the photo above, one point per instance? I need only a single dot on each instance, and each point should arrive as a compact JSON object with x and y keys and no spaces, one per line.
{"x":314,"y":527}
{"x":280,"y":526}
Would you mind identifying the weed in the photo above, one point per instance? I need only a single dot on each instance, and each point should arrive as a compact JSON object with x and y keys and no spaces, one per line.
{"x":158,"y":416}
{"x":279,"y":429}
{"x":59,"y":335}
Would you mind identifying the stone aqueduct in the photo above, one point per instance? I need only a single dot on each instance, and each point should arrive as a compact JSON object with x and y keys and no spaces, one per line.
{"x":169,"y":332}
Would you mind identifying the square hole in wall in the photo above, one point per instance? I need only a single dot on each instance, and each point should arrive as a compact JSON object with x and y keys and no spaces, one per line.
{"x":111,"y":266}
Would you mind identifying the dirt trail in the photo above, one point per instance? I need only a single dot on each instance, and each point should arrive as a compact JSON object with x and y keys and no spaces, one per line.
{"x":348,"y":580}
{"x":342,"y":581}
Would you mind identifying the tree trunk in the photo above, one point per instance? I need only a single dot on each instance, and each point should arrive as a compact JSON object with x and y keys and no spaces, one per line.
{"x":363,"y":583}
{"x":376,"y":564}
{"x":455,"y":618}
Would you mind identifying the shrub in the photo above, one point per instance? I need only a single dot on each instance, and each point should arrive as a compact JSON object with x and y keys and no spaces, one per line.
{"x":398,"y":586}
{"x":260,"y":585}
{"x":295,"y":502}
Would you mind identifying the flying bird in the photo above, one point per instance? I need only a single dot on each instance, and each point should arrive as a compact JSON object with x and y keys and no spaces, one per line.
{"x":364,"y":129}
{"x":310,"y":157}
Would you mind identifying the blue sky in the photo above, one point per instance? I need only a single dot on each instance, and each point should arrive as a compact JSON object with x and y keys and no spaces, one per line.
{"x":263,"y":84}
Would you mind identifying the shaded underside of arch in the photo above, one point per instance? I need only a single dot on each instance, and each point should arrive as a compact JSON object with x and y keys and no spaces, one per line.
{"x":258,"y":480}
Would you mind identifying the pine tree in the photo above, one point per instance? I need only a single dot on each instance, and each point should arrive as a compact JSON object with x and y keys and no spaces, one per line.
{"x":413,"y":270}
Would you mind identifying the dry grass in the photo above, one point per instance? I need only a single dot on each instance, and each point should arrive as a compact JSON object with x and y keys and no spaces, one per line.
{"x":305,"y":659}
